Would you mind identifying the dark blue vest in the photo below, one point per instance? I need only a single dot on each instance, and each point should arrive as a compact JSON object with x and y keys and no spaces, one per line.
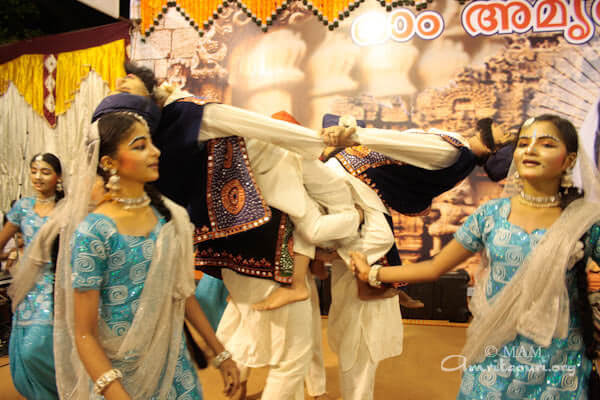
{"x":403,"y":187}
{"x":235,"y":228}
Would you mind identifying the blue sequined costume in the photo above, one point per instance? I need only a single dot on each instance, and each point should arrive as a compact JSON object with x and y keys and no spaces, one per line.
{"x":31,"y":348}
{"x":117,"y":265}
{"x":212,"y":295}
{"x":521,"y":369}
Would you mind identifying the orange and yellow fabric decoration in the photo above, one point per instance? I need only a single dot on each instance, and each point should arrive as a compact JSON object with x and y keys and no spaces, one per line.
{"x":201,"y":14}
{"x":49,"y":82}
{"x":48,"y":71}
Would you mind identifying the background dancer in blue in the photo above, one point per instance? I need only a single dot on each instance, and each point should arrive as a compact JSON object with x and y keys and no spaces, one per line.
{"x":30,"y":349}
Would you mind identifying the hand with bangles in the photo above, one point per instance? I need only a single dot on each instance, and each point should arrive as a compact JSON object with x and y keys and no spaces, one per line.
{"x":229,"y":373}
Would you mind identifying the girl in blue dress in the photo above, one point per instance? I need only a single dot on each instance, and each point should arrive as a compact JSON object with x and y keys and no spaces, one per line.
{"x":132,"y":283}
{"x":530,"y":337}
{"x":32,"y":292}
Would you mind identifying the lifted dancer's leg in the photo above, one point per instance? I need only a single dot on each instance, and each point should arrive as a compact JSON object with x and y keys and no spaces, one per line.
{"x":297,"y":291}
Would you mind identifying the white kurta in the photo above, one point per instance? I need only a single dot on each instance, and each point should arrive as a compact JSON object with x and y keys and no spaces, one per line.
{"x":362,"y":333}
{"x":377,"y":322}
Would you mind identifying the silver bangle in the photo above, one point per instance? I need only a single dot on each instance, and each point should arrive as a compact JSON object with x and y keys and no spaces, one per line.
{"x":106,"y":379}
{"x":373,"y":272}
{"x":219,"y":358}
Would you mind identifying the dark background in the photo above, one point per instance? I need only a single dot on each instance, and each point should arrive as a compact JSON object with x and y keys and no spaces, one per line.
{"x":25,"y":19}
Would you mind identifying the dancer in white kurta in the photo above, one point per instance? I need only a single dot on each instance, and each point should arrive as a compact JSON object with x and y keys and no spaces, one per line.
{"x":279,"y":338}
{"x":364,"y":332}
{"x":293,"y":185}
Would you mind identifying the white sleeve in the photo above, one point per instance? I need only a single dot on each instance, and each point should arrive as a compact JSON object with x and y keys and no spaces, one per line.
{"x":376,"y":238}
{"x":319,"y":228}
{"x":323,"y":187}
{"x":412,"y":146}
{"x":221,"y":120}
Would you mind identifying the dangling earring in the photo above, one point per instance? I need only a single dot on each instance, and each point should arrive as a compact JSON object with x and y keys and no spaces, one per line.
{"x":515,"y":181}
{"x":113,"y":182}
{"x":59,"y":186}
{"x":566,"y":182}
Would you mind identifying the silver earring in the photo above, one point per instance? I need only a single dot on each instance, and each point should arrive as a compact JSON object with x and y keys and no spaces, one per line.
{"x":113,"y":182}
{"x":516,"y":180}
{"x":59,"y":186}
{"x":566,"y":182}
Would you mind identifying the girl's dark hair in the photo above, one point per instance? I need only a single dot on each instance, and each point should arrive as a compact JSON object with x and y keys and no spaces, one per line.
{"x":54,"y":162}
{"x":145,"y":74}
{"x":484,"y":127}
{"x":568,"y":134}
{"x":113,"y":129}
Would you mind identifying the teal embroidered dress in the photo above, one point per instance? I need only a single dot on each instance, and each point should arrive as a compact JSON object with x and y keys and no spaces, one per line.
{"x":30,"y":349}
{"x":521,"y":369}
{"x":117,"y":265}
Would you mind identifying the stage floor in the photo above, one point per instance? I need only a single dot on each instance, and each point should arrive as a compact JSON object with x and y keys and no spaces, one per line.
{"x":415,"y":375}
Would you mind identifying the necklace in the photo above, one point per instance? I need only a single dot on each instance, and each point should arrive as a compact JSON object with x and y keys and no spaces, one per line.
{"x":133,"y":202}
{"x":539,"y":202}
{"x":46,"y":200}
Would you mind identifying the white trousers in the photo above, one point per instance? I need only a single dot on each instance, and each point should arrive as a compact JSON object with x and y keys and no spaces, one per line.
{"x":316,"y":376}
{"x":358,"y":382}
{"x":280,"y":339}
{"x":361,"y":333}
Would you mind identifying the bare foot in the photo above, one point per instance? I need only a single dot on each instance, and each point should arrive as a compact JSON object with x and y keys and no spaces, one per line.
{"x":283,"y":295}
{"x":367,"y":292}
{"x":408,"y":302}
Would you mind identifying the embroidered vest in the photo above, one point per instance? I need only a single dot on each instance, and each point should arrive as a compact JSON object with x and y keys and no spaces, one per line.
{"x":235,"y":228}
{"x":403,"y":187}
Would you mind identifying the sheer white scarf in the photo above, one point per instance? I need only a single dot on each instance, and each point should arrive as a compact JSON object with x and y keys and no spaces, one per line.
{"x":535,"y":303}
{"x":150,"y":349}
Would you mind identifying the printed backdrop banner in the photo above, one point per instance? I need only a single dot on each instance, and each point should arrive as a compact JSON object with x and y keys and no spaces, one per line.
{"x":444,"y":66}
